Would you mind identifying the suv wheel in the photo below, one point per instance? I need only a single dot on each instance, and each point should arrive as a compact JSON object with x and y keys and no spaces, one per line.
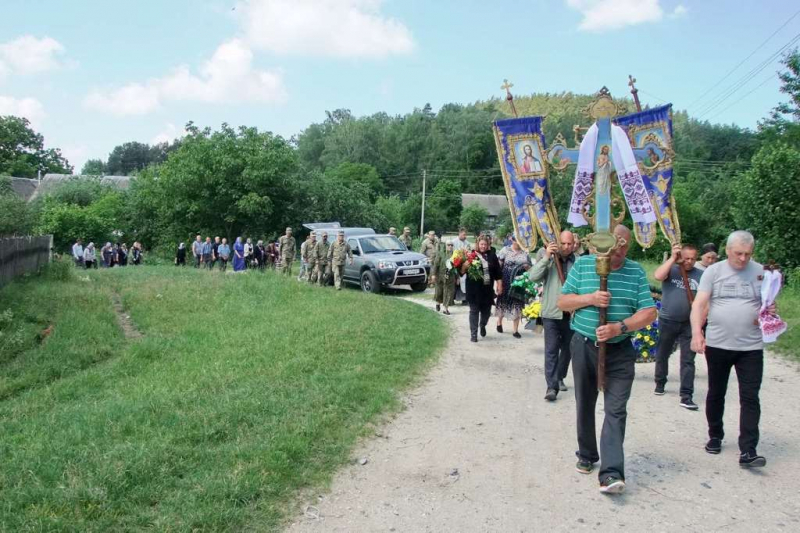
{"x":369,"y":282}
{"x":419,"y":287}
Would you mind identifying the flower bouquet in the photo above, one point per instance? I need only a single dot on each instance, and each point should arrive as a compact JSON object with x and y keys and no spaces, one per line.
{"x":645,"y":341}
{"x":475,"y":270}
{"x":532,"y":310}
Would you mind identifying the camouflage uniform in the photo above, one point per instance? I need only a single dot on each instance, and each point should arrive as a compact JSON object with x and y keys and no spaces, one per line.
{"x":339,"y":253}
{"x":287,"y":251}
{"x":311,"y":258}
{"x":407,"y":240}
{"x":323,"y":270}
{"x":428,"y":248}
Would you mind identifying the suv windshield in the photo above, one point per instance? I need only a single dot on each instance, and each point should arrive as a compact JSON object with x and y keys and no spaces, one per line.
{"x":381,"y":243}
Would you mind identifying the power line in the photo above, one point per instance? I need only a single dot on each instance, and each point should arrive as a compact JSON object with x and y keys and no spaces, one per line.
{"x":748,"y":94}
{"x":745,"y":79}
{"x":759,"y":47}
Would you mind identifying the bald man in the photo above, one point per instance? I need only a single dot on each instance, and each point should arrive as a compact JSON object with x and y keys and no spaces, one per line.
{"x":630,"y":308}
{"x":557,"y":332}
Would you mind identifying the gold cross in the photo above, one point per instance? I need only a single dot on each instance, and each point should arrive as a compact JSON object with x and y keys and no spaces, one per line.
{"x":631,"y":82}
{"x":525,"y":225}
{"x":506,"y":86}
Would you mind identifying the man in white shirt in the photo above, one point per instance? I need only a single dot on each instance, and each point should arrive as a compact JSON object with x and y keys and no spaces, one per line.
{"x":77,"y":253}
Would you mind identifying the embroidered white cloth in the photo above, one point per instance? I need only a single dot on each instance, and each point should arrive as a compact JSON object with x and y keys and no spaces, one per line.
{"x":771,"y":325}
{"x":630,"y":179}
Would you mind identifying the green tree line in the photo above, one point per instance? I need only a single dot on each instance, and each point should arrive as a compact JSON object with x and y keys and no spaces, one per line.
{"x":368,"y":171}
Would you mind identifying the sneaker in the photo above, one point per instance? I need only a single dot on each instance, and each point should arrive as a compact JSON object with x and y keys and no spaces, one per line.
{"x":659,"y":390}
{"x":499,"y":329}
{"x":562,"y":386}
{"x":473,"y":338}
{"x":551,"y":395}
{"x":714,"y":445}
{"x":612,"y":485}
{"x":687,"y":403}
{"x":516,"y":335}
{"x":752,"y":460}
{"x":584,"y":467}
{"x":483,"y":331}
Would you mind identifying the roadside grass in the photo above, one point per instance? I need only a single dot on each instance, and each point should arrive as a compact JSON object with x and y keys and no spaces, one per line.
{"x":243,"y":391}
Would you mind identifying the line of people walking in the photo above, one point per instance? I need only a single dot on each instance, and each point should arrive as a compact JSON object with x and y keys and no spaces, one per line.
{"x":109,"y":256}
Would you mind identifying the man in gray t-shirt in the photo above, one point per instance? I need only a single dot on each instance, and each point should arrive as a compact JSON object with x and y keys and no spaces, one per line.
{"x":673,"y":320}
{"x":729,"y":297}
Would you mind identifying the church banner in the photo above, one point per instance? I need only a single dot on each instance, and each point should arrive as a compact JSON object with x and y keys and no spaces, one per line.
{"x":522,"y":154}
{"x":650,"y":134}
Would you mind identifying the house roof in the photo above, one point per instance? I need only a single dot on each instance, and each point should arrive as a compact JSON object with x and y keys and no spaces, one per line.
{"x":493,"y":203}
{"x":24,"y":187}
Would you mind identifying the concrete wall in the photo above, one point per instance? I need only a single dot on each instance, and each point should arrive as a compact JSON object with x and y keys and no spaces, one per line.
{"x":22,"y":255}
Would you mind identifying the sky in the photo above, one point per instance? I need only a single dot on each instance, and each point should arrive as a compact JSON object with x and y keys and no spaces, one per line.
{"x":93,"y":74}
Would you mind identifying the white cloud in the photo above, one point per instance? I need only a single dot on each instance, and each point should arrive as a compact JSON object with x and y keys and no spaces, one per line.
{"x":30,"y":108}
{"x":29,"y":55}
{"x":168,"y":134}
{"x":337,"y":28}
{"x":605,"y":15}
{"x":228,"y":76}
{"x":680,"y":10}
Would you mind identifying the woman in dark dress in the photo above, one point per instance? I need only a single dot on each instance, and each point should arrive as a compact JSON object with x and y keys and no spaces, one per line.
{"x":107,"y":253}
{"x":122,"y":255}
{"x":180,"y":255}
{"x":480,"y":292}
{"x":515,"y":261}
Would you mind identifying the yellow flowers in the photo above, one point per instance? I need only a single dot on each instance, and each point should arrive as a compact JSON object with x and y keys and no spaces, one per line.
{"x":532,"y":310}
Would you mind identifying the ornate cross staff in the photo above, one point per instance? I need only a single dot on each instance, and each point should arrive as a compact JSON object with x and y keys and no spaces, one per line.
{"x":507,"y":88}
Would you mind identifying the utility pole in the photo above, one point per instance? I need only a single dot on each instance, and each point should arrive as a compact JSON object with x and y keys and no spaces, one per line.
{"x":422,"y":219}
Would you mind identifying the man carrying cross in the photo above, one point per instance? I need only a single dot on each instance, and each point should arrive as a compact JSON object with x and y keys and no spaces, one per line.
{"x":629,"y":307}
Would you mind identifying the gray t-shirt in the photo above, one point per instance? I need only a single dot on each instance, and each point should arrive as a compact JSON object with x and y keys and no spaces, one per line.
{"x":674,"y":303}
{"x":734,"y":307}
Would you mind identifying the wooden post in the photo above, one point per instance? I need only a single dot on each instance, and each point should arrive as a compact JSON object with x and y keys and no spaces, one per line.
{"x":603,"y":269}
{"x":634,"y":92}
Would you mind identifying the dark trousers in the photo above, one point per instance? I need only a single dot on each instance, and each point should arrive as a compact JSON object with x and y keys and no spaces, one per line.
{"x":478,"y":316}
{"x":223,"y":264}
{"x":197,"y":260}
{"x":557,"y":337}
{"x":749,"y":371}
{"x":620,"y":362}
{"x":669,"y":332}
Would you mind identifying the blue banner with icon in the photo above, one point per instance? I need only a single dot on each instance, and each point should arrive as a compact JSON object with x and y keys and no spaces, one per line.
{"x":650,"y":133}
{"x":522,"y":154}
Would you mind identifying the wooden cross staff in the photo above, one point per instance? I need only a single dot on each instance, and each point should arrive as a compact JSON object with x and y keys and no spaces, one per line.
{"x":507,"y":88}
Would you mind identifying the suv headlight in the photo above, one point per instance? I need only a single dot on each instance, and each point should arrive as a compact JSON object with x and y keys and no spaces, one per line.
{"x":424,"y":262}
{"x":386,"y":265}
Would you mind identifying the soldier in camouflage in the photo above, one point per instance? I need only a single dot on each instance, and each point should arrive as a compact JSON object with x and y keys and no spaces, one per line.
{"x":406,"y":238}
{"x":323,"y":270}
{"x":288,"y":246}
{"x":429,"y":246}
{"x":339,"y":253}
{"x":311,"y":257}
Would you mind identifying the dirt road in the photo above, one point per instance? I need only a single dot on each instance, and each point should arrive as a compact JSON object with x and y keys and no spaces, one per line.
{"x":478,"y":449}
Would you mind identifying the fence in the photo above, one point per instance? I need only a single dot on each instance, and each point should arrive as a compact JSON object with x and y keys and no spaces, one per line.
{"x":20,"y":255}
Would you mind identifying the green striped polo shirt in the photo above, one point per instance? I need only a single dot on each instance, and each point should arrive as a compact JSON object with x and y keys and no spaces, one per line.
{"x":630,"y":292}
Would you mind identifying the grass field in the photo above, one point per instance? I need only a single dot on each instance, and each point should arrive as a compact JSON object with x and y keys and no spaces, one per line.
{"x":242,"y":391}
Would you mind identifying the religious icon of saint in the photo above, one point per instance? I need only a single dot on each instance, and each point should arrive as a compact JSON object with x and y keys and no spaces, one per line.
{"x":603,"y":171}
{"x":529,"y":161}
{"x":557,"y":157}
{"x":652,"y":158}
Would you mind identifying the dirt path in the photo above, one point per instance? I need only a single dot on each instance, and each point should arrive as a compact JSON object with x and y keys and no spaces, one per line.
{"x":478,"y":449}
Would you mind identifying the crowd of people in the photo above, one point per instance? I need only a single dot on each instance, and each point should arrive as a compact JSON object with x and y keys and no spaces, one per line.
{"x":716,"y":315}
{"x":108,"y":256}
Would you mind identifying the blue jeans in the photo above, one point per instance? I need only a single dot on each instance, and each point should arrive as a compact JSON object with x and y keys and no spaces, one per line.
{"x":557,"y":337}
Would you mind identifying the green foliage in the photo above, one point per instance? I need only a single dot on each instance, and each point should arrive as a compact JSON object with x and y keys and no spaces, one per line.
{"x":473,"y":218}
{"x":68,"y":222}
{"x":768,"y":204}
{"x":79,"y":190}
{"x":16,"y":216}
{"x":94,"y":167}
{"x":390,"y":210}
{"x":189,"y":428}
{"x":443,"y":207}
{"x":353,"y":174}
{"x":128,"y":158}
{"x":22,"y":151}
{"x":229,"y":182}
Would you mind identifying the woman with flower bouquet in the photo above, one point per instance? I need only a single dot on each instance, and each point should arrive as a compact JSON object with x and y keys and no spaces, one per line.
{"x":444,"y":276}
{"x":483,"y":273}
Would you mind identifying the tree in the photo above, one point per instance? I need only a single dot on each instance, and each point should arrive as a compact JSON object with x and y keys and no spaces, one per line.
{"x":94,"y":167}
{"x":17,"y":217}
{"x":473,"y":217}
{"x":349,"y":174}
{"x":131,"y":157}
{"x":443,"y":208}
{"x":227,"y":182}
{"x":784,"y":122}
{"x":768,"y":203}
{"x":22,"y":151}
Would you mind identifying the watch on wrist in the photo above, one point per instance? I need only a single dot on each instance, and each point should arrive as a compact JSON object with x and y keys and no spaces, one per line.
{"x":623,"y":328}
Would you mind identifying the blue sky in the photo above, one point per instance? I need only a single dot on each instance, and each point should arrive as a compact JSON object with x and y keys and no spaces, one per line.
{"x":92,"y":74}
